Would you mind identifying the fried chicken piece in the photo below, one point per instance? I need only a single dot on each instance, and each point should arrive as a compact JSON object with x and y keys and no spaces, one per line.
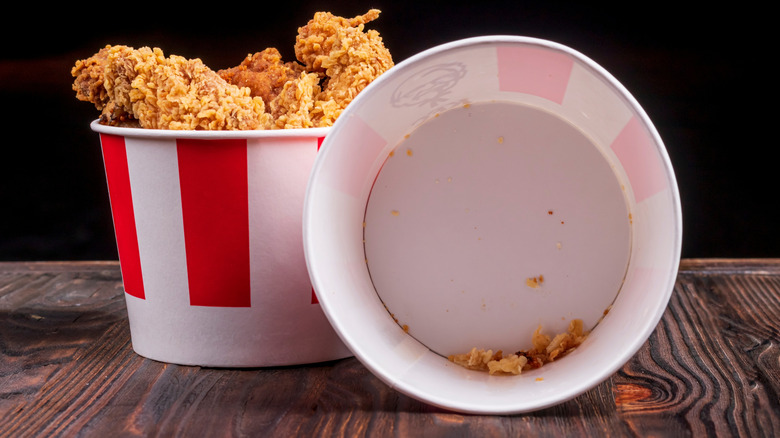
{"x":89,"y":85}
{"x":293,"y":106}
{"x":165,"y":92}
{"x":264,"y":73}
{"x":347,"y":57}
{"x":144,"y":88}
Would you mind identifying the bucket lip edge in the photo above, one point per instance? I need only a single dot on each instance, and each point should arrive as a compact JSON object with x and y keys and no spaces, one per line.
{"x":96,"y":126}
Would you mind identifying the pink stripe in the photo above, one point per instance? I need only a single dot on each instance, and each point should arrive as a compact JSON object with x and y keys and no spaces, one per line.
{"x":637,"y":154}
{"x":215,"y":213}
{"x":371,"y":143}
{"x":120,"y":193}
{"x":538,"y":72}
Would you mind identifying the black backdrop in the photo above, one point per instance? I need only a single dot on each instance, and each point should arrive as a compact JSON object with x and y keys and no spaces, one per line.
{"x":704,"y":76}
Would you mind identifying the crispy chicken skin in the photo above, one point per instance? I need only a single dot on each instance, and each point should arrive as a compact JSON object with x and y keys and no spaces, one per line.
{"x":348,"y":57}
{"x":164,"y":92}
{"x":142,"y":87}
{"x":293,"y":106}
{"x":90,"y":87}
{"x":338,"y":58}
{"x":88,"y":84}
{"x":264,"y":73}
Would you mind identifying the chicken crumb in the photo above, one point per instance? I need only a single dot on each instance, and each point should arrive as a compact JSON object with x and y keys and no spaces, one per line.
{"x":544,"y":350}
{"x":534,"y":282}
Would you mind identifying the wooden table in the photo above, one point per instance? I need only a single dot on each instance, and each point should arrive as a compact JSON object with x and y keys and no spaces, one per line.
{"x":711,"y":368}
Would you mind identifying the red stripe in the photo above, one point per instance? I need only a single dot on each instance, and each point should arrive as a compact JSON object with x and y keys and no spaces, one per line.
{"x":215,"y":210}
{"x":314,"y":299}
{"x":118,"y":179}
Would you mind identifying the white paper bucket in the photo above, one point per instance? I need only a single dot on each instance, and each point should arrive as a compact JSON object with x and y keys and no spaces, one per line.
{"x":208,"y":228}
{"x":481,"y":189}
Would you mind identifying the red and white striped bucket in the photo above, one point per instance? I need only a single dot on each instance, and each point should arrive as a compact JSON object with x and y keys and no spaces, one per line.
{"x":208,"y":230}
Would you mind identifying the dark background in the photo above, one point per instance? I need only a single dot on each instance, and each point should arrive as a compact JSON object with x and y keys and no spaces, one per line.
{"x":704,"y":75}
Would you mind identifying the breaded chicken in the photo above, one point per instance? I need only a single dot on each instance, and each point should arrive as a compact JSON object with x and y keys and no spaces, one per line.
{"x":89,"y":86}
{"x":348,"y":57}
{"x":293,"y":106}
{"x":336,"y":59}
{"x":264,"y":73}
{"x":164,"y":92}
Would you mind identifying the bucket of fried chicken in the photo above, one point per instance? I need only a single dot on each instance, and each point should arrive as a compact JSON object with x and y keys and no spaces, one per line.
{"x":207,"y":172}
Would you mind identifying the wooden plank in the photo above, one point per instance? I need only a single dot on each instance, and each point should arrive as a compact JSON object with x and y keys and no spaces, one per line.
{"x":57,"y":266}
{"x":712,"y":363}
{"x":730,"y":266}
{"x":67,"y":369}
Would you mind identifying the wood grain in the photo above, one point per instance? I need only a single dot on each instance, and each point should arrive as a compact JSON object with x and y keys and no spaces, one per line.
{"x":711,"y":368}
